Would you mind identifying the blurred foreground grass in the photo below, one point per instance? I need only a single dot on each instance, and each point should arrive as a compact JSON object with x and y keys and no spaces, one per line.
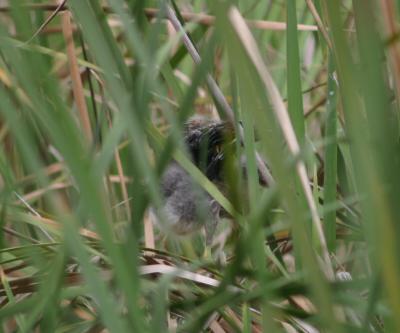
{"x":93,"y":97}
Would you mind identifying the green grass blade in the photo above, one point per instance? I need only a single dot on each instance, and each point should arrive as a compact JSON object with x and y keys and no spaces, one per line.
{"x":330,"y":166}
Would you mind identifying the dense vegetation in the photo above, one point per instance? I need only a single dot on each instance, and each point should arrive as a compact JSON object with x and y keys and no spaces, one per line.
{"x":93,"y":99}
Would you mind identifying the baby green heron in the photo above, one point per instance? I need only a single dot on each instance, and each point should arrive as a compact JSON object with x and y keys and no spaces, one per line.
{"x":187,"y":206}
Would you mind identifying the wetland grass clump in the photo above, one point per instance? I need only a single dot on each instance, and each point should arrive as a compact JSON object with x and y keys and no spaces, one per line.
{"x":94,"y":98}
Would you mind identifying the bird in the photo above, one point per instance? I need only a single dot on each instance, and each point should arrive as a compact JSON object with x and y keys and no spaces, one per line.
{"x":187,"y":207}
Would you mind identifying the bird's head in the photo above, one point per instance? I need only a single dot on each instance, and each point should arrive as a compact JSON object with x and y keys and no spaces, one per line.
{"x":206,"y":141}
